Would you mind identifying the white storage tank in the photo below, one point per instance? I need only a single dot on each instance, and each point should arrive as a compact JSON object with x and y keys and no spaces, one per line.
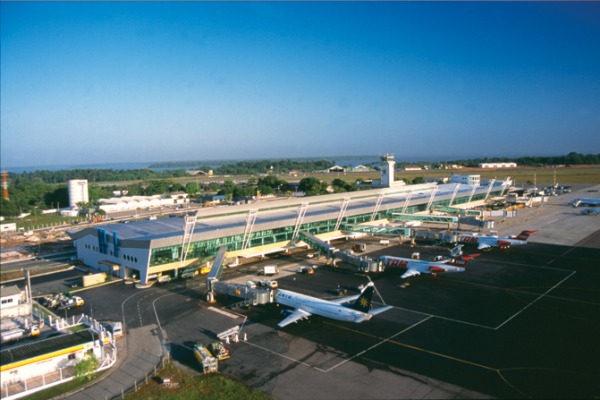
{"x":78,"y":192}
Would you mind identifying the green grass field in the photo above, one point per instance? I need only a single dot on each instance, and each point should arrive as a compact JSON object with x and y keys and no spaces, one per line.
{"x":206,"y":387}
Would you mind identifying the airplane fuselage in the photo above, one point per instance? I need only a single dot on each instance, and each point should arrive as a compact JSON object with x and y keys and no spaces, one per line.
{"x":491,"y":241}
{"x":315,"y":306}
{"x":423,"y":267}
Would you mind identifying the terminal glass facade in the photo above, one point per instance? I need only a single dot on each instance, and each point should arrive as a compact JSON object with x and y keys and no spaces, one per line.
{"x":207,"y":249}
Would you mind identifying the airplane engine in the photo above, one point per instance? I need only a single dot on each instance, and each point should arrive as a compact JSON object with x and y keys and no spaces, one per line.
{"x":503,"y":245}
{"x":435,"y":269}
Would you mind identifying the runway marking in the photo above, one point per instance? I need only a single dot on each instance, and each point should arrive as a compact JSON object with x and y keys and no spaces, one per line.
{"x":534,"y":266}
{"x":435,"y":353}
{"x":223,"y":312}
{"x":278,"y":354}
{"x":375,"y":345}
{"x":535,"y":300}
{"x":386,"y":340}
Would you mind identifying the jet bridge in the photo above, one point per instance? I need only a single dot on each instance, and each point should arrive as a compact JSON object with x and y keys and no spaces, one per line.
{"x":435,"y":219}
{"x":320,"y":245}
{"x":378,"y":230}
{"x":363,"y":263}
{"x":439,"y":236}
{"x":459,"y":211}
{"x":216,"y":269}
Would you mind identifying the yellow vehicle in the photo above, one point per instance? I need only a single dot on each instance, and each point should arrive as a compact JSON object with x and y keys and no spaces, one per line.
{"x":34,"y":330}
{"x":205,"y":270}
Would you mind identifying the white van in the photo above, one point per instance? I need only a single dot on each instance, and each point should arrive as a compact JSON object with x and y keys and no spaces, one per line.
{"x":117,"y":329}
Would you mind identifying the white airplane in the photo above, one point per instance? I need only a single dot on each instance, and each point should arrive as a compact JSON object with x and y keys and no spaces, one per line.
{"x":485,"y":242}
{"x":358,"y":310}
{"x":590,"y":202}
{"x":418,"y":267}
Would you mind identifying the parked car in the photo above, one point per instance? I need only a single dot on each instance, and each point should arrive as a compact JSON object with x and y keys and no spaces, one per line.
{"x":305,"y":270}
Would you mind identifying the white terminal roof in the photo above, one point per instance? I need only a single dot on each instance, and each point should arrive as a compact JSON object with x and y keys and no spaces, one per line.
{"x":222,"y":221}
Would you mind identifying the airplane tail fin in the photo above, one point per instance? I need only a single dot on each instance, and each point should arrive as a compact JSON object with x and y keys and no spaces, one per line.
{"x":363,"y":302}
{"x":456,"y":251}
{"x":463,"y":260}
{"x":524,"y":235}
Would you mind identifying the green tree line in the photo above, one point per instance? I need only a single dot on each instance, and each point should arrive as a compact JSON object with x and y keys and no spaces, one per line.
{"x":530,"y":161}
{"x":40,"y":190}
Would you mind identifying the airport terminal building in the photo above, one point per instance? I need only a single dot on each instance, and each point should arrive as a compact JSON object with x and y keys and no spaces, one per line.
{"x":147,"y":249}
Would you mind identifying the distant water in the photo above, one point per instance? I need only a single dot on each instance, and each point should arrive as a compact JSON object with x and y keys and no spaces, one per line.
{"x":352,"y":161}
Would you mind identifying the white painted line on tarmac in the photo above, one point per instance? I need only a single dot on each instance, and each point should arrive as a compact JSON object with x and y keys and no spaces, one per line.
{"x":464,"y":322}
{"x":535,"y":300}
{"x":223,"y":312}
{"x":277,"y":354}
{"x":375,"y":345}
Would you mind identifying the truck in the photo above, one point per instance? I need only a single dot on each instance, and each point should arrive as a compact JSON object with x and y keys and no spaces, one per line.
{"x":209,"y":363}
{"x":9,"y":336}
{"x":359,"y":247}
{"x":94,"y":279}
{"x":218,"y":350}
{"x":269,"y":284}
{"x":66,"y":303}
{"x":268,"y":270}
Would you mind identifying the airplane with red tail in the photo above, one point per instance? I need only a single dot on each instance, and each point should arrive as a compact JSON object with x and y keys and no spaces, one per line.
{"x":485,"y":242}
{"x":418,"y":267}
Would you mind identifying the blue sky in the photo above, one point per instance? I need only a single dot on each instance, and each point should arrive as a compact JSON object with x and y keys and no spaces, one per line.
{"x":120,"y":82}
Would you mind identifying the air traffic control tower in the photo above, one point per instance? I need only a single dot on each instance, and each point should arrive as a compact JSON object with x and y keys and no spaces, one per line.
{"x":388,"y":165}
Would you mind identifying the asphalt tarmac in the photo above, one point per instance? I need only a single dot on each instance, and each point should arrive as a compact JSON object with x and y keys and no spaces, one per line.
{"x":519,"y":323}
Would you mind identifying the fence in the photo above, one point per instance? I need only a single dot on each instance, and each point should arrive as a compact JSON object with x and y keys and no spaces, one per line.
{"x":137,"y":384}
{"x":26,"y":386}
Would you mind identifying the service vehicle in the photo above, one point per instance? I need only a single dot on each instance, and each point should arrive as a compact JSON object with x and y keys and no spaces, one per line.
{"x":209,"y":363}
{"x":268,"y":270}
{"x":218,"y":350}
{"x":269,"y":284}
{"x":359,"y":247}
{"x":189,"y":273}
{"x":305,"y":270}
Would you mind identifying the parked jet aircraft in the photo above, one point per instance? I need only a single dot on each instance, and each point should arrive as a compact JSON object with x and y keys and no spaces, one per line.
{"x":590,"y":202}
{"x":418,"y":267}
{"x":358,"y":310}
{"x":485,"y":242}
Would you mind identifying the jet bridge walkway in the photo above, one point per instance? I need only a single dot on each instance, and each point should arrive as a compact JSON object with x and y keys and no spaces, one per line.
{"x":363,"y":263}
{"x":216,"y":269}
{"x":379,"y":230}
{"x":458,"y":211}
{"x":434,"y":219}
{"x":320,"y":245}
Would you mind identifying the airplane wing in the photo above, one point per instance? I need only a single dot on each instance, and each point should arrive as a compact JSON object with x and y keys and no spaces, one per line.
{"x":295,"y":316}
{"x":409,"y":273}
